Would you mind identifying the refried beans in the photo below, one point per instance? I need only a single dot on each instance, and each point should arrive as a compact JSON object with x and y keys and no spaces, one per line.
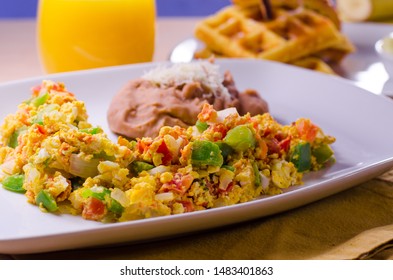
{"x":158,"y":99}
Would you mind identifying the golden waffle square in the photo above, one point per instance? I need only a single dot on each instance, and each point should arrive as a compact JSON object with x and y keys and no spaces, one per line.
{"x":334,"y":53}
{"x":232,"y":34}
{"x":293,"y":34}
{"x":322,"y":7}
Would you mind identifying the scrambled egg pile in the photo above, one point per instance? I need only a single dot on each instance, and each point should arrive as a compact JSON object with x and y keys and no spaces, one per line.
{"x":51,"y":153}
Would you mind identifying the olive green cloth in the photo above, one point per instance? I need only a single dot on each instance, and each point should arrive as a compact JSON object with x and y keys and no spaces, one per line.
{"x":354,"y":224}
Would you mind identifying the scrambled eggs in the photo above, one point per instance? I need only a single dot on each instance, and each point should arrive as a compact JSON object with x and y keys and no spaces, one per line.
{"x":62,"y":163}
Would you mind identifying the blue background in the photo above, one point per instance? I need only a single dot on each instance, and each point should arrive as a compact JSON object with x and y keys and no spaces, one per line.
{"x":28,"y":8}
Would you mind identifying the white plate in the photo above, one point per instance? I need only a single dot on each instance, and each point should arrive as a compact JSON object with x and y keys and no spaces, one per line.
{"x":358,"y":119}
{"x":363,"y":67}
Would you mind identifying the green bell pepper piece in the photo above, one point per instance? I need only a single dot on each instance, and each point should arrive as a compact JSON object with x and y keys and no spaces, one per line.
{"x":229,"y":167}
{"x":206,"y":153}
{"x":14,"y":183}
{"x":105,"y":196}
{"x":301,"y":156}
{"x":201,"y":126}
{"x":13,"y":142}
{"x":226,"y":150}
{"x":257,"y":180}
{"x":322,"y":153}
{"x":46,"y":200}
{"x":139,"y":166}
{"x":115,"y":207}
{"x":39,"y":100}
{"x":91,"y":130}
{"x":99,"y":195}
{"x":240,"y":138}
{"x":103,"y":156}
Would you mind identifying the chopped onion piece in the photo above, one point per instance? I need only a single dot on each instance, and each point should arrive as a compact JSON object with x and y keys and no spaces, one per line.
{"x":8,"y":166}
{"x":167,"y":196}
{"x":221,"y":115}
{"x":159,"y":169}
{"x":83,"y":168}
{"x":265,"y":181}
{"x":97,"y":189}
{"x":120,"y":197}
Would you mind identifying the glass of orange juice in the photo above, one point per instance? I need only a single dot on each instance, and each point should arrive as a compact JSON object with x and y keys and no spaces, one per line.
{"x":83,"y":34}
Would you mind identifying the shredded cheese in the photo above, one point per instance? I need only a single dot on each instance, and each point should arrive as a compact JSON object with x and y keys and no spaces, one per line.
{"x":203,"y":72}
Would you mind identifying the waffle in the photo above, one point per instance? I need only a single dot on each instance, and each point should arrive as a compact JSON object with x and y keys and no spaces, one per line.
{"x":315,"y":64}
{"x":293,"y":34}
{"x":322,"y":7}
{"x":312,"y":63}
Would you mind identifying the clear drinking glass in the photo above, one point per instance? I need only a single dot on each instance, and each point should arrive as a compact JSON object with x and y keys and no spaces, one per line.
{"x":82,"y":34}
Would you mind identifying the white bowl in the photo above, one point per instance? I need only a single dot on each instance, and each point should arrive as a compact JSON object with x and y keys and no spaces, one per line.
{"x":384,"y":49}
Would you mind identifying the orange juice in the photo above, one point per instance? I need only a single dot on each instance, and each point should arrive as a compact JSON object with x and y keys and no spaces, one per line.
{"x":82,"y":34}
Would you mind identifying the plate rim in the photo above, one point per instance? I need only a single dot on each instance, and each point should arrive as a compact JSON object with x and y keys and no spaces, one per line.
{"x":20,"y":245}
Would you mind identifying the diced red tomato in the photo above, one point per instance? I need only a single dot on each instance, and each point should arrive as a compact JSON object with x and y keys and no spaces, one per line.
{"x":167,"y":156}
{"x":142,"y":145}
{"x":285,"y":144}
{"x":94,"y":209}
{"x":306,"y":129}
{"x":273,"y":146}
{"x":267,"y":132}
{"x":41,"y":129}
{"x":36,"y":90}
{"x":179,"y":184}
{"x":279,"y":145}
